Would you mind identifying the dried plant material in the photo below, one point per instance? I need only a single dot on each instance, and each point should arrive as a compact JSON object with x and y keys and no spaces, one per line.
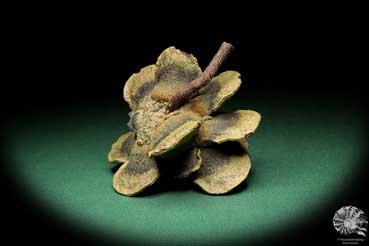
{"x":145,"y":119}
{"x":121,"y":149}
{"x":223,"y":168}
{"x":229,"y":126}
{"x":137,"y":174}
{"x":219,"y":89}
{"x":245,"y":145}
{"x":172,"y":133}
{"x":175,"y":130}
{"x":192,"y":90}
{"x":139,"y":85}
{"x":191,"y":162}
{"x":183,"y":165}
{"x":175,"y":69}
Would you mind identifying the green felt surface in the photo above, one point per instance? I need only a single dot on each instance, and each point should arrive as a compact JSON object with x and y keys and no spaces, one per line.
{"x":305,"y":152}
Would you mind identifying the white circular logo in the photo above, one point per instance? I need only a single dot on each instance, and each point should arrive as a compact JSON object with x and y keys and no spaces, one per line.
{"x":348,"y":220}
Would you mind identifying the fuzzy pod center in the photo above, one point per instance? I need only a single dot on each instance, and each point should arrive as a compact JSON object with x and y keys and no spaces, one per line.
{"x":145,"y":119}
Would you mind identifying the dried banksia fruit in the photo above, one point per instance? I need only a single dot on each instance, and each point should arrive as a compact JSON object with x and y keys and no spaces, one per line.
{"x":173,"y":131}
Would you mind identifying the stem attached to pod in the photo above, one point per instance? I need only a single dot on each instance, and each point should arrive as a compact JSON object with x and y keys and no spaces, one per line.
{"x":195,"y":85}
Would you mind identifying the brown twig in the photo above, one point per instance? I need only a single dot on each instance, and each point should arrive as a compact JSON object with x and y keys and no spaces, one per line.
{"x":195,"y":85}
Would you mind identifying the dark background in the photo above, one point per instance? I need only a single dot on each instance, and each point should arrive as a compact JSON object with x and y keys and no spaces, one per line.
{"x":63,"y":56}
